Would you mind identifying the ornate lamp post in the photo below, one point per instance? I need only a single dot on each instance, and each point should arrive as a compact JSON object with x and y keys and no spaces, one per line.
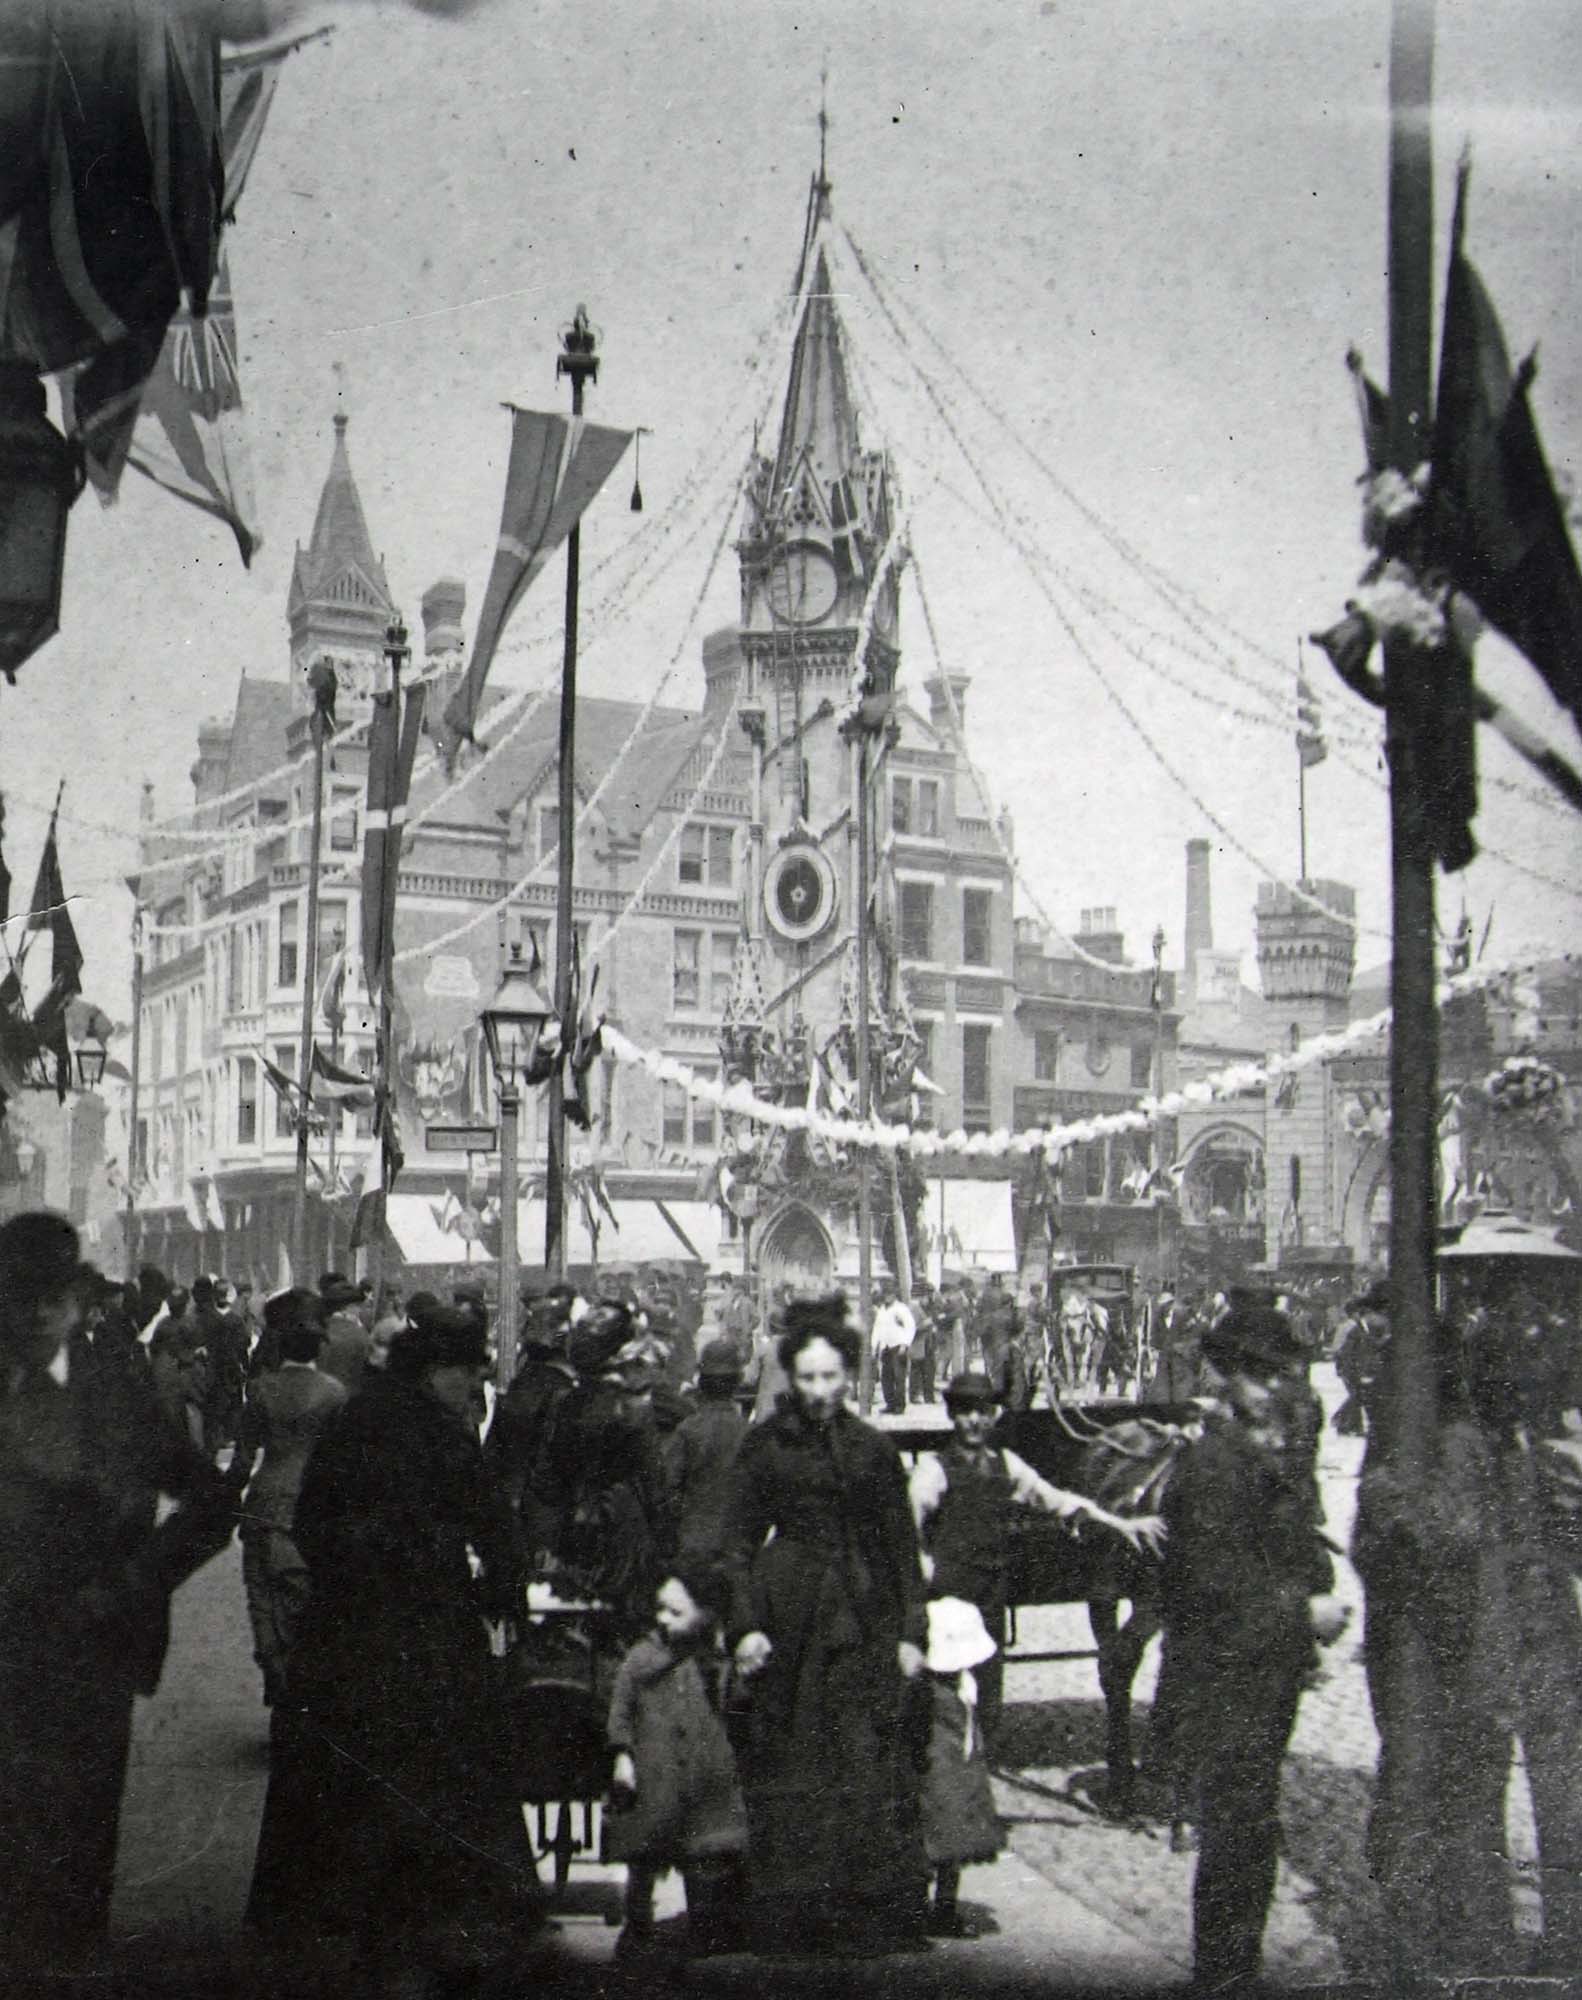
{"x":513,"y":1021}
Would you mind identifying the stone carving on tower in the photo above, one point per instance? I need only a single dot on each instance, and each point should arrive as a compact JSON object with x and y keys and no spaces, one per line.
{"x":339,"y":603}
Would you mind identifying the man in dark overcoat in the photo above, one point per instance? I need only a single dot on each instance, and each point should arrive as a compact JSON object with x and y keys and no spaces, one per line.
{"x":86,"y":1574}
{"x":1246,"y":1585}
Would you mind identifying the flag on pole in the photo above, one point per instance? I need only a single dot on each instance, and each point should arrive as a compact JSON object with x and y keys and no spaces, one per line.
{"x":332,"y":994}
{"x":392,"y":752}
{"x":190,"y":431}
{"x":51,"y":912}
{"x":1494,"y":520}
{"x":1311,"y":747}
{"x":558,"y":465}
{"x":332,"y":1082}
{"x":1373,"y":411}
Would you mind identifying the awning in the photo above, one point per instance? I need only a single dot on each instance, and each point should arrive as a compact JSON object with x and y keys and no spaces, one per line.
{"x":413,"y":1222}
{"x":643,"y":1236}
{"x":969,"y":1226}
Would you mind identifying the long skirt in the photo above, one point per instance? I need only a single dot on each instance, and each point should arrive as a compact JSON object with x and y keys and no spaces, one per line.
{"x":830,"y":1772}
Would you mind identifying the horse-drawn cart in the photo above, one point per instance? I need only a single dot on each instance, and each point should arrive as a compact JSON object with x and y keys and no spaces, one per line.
{"x":1118,"y":1454}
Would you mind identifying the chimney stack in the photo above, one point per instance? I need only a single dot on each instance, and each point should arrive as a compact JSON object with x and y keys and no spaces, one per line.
{"x":941,"y":697}
{"x":443,"y":605}
{"x":1199,"y":908}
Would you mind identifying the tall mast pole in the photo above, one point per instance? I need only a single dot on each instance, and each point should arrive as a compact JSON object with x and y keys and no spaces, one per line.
{"x":864,"y":1088}
{"x":578,"y":360}
{"x":1406,"y":1439}
{"x":134,"y":1157}
{"x":1301,"y":815}
{"x":395,"y":653}
{"x":310,"y":966}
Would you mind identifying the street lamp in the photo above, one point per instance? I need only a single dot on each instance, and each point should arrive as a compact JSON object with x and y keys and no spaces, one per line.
{"x":91,"y":1059}
{"x":40,"y":475}
{"x":513,"y":1022}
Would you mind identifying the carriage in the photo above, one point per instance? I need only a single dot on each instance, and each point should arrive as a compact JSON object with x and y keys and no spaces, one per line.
{"x":1094,"y":1336}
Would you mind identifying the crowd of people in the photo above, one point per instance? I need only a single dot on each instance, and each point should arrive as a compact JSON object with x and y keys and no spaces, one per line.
{"x":792,"y":1637}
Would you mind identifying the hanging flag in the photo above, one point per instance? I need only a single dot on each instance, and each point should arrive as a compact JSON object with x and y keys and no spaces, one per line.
{"x":51,"y":912}
{"x":332,"y":994}
{"x":1311,"y":748}
{"x":1494,"y":520}
{"x":1373,"y":411}
{"x":213,"y":1207}
{"x":284,"y":1087}
{"x":190,"y":431}
{"x":557,"y":466}
{"x":335,"y":1084}
{"x":392,"y":752}
{"x":392,"y":1153}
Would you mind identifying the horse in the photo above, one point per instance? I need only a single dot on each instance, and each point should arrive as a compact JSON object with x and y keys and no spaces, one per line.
{"x":1124,"y":1464}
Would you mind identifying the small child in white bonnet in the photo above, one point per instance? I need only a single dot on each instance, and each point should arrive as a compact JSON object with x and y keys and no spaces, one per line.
{"x":960,"y":1824}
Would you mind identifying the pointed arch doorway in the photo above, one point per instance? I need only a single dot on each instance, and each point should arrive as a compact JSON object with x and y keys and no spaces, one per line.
{"x":795,"y":1250}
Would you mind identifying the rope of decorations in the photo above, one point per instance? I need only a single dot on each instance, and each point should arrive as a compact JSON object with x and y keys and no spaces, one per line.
{"x":738,"y":1100}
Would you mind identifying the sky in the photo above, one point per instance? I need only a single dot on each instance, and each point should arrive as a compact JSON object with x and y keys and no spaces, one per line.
{"x":1129,"y":246}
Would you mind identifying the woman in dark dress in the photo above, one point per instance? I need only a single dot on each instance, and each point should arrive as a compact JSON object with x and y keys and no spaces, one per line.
{"x":828,"y":1620}
{"x":389,"y":1819}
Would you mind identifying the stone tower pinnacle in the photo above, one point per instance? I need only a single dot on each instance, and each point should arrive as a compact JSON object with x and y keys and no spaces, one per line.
{"x":339,"y":603}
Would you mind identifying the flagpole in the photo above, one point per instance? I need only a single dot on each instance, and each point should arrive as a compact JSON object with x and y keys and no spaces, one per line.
{"x":864,"y":1088}
{"x":1301,"y":813}
{"x":133,"y":1156}
{"x":335,"y":1116}
{"x":395,"y":652}
{"x":578,"y":360}
{"x":310,"y":961}
{"x":1415,"y":1870}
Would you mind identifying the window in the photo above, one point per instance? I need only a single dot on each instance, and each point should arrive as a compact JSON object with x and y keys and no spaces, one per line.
{"x":722,"y":957}
{"x":975,"y":1072}
{"x":529,"y":932}
{"x":1296,"y":1036}
{"x":977,"y":917}
{"x":233,"y":972}
{"x":917,"y":920}
{"x":181,"y":1036}
{"x":285,"y":1059}
{"x":901,"y":805}
{"x":706,"y":856}
{"x":928,"y":808}
{"x":246,"y":1101}
{"x":1046,"y":1055}
{"x":1296,"y":1181}
{"x":155,"y":1042}
{"x":548,"y":831}
{"x":1142,"y":1065}
{"x":686,"y":1121}
{"x":290,"y":933}
{"x":343,"y":818}
{"x":686,"y":970}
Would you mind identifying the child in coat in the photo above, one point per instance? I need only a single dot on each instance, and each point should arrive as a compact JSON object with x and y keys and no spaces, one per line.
{"x":676,"y":1801}
{"x":960,"y":1824}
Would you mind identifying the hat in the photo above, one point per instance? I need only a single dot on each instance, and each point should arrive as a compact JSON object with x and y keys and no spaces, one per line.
{"x":1256,"y":1339}
{"x":437,"y":1336}
{"x":598,"y":1336}
{"x":338,"y":1292}
{"x":1376,"y":1299}
{"x":719,"y":1362}
{"x":971,"y":1390}
{"x":38,"y":1259}
{"x":958,"y":1639}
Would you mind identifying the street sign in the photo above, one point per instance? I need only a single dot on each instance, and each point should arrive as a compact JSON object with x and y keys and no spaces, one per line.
{"x":463,"y":1138}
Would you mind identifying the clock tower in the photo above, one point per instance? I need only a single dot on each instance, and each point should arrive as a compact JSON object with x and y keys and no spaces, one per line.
{"x":817,"y":578}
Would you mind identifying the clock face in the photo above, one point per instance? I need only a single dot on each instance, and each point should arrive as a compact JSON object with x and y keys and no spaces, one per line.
{"x":802,"y":584}
{"x":799,"y":893}
{"x":1099,"y":1053}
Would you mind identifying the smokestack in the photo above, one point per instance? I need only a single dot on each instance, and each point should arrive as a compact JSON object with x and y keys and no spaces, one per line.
{"x":444,"y":604}
{"x":1199,"y":909}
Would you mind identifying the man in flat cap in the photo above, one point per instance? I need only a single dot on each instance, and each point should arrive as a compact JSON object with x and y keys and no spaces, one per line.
{"x":1247,"y":1583}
